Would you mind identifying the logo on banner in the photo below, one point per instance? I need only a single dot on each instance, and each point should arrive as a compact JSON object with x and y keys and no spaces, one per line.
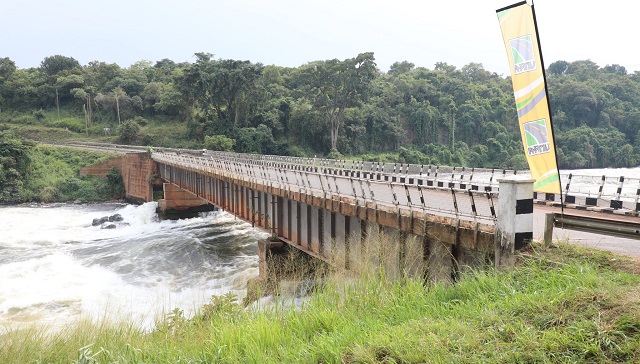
{"x":524,"y":59}
{"x":537,"y":137}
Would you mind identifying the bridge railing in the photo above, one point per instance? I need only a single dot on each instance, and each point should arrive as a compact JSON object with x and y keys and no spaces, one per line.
{"x":600,"y":192}
{"x":579,"y":189}
{"x":353,"y":184}
{"x":482,"y":179}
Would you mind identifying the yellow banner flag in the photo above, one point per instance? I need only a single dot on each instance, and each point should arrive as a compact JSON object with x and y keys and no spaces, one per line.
{"x":520,"y":35}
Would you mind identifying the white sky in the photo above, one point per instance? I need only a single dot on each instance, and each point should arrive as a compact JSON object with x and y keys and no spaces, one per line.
{"x":294,"y":32}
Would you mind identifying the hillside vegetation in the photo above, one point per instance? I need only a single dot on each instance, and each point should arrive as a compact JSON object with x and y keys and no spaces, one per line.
{"x":443,"y":115}
{"x":44,"y":173}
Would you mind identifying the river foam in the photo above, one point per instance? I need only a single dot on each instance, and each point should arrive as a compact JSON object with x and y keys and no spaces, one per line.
{"x":56,"y":267}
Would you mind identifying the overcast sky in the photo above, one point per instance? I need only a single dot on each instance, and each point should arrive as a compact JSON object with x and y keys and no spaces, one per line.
{"x":294,"y":32}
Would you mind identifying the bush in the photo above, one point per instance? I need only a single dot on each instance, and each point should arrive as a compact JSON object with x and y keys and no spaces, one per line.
{"x":255,"y":140}
{"x":39,"y":114}
{"x":413,"y":156}
{"x":129,"y":132}
{"x":73,"y":124}
{"x":115,"y":183}
{"x":140,"y":120}
{"x":334,"y":154}
{"x":219,"y":143}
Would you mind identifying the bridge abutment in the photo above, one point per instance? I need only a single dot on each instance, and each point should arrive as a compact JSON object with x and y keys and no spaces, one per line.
{"x":137,"y":171}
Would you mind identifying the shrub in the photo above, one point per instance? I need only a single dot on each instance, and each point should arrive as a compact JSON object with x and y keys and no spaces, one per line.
{"x":39,"y":114}
{"x":334,"y":154}
{"x":129,"y":132}
{"x":219,"y":142}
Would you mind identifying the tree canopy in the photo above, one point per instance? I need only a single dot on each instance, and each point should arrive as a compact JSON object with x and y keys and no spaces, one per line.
{"x":443,"y":115}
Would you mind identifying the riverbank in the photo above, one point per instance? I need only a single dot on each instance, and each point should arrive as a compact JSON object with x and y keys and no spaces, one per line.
{"x":560,"y":304}
{"x":41,"y":173}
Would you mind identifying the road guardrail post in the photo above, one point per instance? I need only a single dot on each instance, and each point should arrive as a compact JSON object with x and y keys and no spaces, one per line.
{"x":548,"y":228}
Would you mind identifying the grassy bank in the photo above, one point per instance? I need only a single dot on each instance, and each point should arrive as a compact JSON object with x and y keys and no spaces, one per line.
{"x":561,"y":304}
{"x":43,"y":173}
{"x":55,"y":176}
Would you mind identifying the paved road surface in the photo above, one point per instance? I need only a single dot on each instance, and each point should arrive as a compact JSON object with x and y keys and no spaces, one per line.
{"x":629,"y":247}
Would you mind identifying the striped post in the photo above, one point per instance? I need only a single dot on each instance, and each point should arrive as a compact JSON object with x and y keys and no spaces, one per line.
{"x":616,"y":203}
{"x":514,"y":226}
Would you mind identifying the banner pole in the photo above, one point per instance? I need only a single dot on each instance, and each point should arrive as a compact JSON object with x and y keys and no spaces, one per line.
{"x":546,"y":90}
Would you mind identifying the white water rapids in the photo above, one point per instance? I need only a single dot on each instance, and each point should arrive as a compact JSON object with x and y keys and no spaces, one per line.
{"x":55,"y":267}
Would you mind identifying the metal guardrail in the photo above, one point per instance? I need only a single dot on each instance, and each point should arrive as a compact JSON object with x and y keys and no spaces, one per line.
{"x":597,"y":192}
{"x":477,"y":206}
{"x":590,"y":224}
{"x":579,"y":190}
{"x":479,"y":179}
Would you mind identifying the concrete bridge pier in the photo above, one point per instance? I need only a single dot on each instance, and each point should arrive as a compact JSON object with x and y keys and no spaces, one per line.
{"x":178,"y":203}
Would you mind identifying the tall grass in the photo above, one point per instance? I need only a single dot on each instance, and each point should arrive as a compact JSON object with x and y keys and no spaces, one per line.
{"x":560,"y":304}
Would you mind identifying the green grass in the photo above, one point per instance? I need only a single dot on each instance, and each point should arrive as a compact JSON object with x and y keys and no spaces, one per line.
{"x":70,"y":126}
{"x":54,"y":175}
{"x":560,"y":304}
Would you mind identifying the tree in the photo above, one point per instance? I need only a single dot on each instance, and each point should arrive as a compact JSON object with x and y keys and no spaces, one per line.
{"x":217,"y":87}
{"x":398,"y":68}
{"x":7,"y":68}
{"x":54,"y":64}
{"x":337,"y":85}
{"x":558,"y":67}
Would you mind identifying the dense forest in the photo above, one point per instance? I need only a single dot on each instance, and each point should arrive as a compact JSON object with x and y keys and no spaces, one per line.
{"x":333,"y":107}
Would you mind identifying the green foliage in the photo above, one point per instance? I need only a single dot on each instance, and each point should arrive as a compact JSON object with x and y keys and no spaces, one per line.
{"x":54,"y":176}
{"x":334,"y":154}
{"x":451,"y":116}
{"x":115,"y":184}
{"x":39,"y":115}
{"x":49,"y":174}
{"x":255,"y":140}
{"x":15,"y":165}
{"x":129,"y":132}
{"x":413,"y":156}
{"x":219,"y":142}
{"x":55,"y":64}
{"x":216,"y":87}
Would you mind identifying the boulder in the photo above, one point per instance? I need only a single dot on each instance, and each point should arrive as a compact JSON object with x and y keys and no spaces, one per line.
{"x":116,"y":218}
{"x":100,"y":221}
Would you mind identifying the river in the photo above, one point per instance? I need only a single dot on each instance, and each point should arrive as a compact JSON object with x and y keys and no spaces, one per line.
{"x":56,"y":268}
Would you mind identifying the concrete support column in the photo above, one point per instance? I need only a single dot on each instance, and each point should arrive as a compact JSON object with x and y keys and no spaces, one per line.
{"x":514,"y":228}
{"x":440,"y":262}
{"x":280,"y":216}
{"x":339,"y":254}
{"x":303,"y":226}
{"x":298,"y":223}
{"x":315,"y":216}
{"x":327,"y":233}
{"x":354,"y":242}
{"x":286,"y":221}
